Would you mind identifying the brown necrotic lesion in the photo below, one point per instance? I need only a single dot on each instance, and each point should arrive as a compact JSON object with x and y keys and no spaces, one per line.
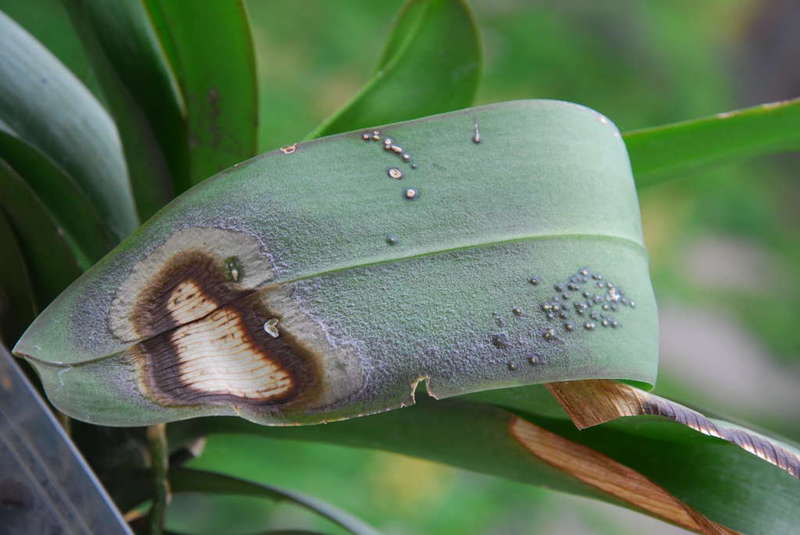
{"x":211,"y":347}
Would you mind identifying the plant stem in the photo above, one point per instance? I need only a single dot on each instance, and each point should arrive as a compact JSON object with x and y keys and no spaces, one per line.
{"x":157,"y":439}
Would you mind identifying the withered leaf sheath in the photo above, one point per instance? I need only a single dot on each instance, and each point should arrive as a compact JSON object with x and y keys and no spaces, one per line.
{"x":271,"y":290}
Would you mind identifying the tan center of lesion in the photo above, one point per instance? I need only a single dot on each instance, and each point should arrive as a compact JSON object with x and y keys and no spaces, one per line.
{"x":187,"y":302}
{"x":217,"y":354}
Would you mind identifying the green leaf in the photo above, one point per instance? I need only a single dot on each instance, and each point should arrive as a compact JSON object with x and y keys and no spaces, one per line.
{"x":60,"y":193}
{"x":431,"y":64}
{"x":670,"y":151}
{"x":190,"y":480}
{"x":715,"y":478}
{"x":52,"y":256}
{"x":49,"y":22}
{"x":51,"y":110}
{"x":17,"y":303}
{"x":210,"y":49}
{"x":142,"y":94}
{"x":335,"y":294}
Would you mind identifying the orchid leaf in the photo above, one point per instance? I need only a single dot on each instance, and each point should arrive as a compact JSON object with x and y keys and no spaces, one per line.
{"x":663,"y":152}
{"x":333,"y":288}
{"x":45,"y":105}
{"x":431,"y":64}
{"x":209,"y":48}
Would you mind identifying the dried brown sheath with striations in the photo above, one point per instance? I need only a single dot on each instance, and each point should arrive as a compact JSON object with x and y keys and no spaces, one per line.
{"x":594,"y":402}
{"x":606,"y":474}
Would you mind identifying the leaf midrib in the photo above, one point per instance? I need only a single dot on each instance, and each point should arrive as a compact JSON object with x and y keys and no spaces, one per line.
{"x":300,"y":277}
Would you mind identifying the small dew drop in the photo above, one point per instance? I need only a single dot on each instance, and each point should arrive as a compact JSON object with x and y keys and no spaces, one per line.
{"x":589,"y":325}
{"x":271,"y":327}
{"x":397,"y":149}
{"x":605,"y":323}
{"x":413,"y":166}
{"x":476,"y":134}
{"x":392,"y":239}
{"x":534,"y":359}
{"x":394,"y":173}
{"x":569,"y":326}
{"x":500,"y":341}
{"x":406,"y":157}
{"x":597,"y":276}
{"x":289,"y":149}
{"x":512,"y":366}
{"x":549,"y":334}
{"x":365,"y":136}
{"x":517,"y":311}
{"x":535,"y":281}
{"x":411,"y":194}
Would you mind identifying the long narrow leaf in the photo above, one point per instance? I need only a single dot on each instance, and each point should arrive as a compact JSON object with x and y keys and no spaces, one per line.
{"x":431,"y":64}
{"x":663,"y":152}
{"x":210,"y":49}
{"x":60,"y":193}
{"x":54,"y":259}
{"x":49,"y":22}
{"x":142,"y":94}
{"x":17,"y":301}
{"x":697,"y":475}
{"x":46,"y":486}
{"x":190,"y":480}
{"x":49,"y":108}
{"x":348,"y":276}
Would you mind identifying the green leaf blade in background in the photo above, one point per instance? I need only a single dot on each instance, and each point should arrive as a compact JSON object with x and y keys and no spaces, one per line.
{"x":718,"y":479}
{"x":49,"y":22}
{"x":670,"y":151}
{"x":59,"y":192}
{"x":17,"y":302}
{"x":141,"y":92}
{"x":186,"y":480}
{"x":431,"y":64}
{"x":49,"y":108}
{"x":209,"y":48}
{"x":52,"y":256}
{"x":375,"y":291}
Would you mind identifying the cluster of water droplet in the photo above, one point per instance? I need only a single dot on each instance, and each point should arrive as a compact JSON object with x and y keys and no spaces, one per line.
{"x":585,"y":299}
{"x":394,"y":172}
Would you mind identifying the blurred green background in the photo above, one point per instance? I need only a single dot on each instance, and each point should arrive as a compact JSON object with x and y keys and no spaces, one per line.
{"x":724,"y":242}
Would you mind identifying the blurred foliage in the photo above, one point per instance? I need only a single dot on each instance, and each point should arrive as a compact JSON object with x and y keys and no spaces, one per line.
{"x":640,"y":63}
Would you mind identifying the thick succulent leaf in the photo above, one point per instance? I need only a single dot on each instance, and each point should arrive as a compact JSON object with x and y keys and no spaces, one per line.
{"x":53,"y":257}
{"x":431,"y":64}
{"x":49,"y":22}
{"x":305,"y":286}
{"x":645,"y":463}
{"x":45,"y":485}
{"x":17,"y":302}
{"x":141,"y":91}
{"x":50,"y":109}
{"x":202,"y":481}
{"x":60,"y":193}
{"x":673,"y":150}
{"x":210,"y":49}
